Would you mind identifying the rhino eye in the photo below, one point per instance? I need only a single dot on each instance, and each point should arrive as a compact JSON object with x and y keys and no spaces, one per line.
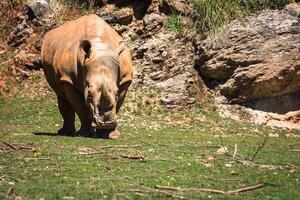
{"x":90,"y":96}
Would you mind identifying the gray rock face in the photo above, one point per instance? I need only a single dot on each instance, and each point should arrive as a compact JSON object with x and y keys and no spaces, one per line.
{"x":38,"y":9}
{"x":183,"y":7}
{"x":152,"y":23}
{"x":255,"y":59}
{"x":166,"y":62}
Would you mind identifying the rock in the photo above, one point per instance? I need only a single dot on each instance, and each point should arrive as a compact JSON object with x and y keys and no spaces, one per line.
{"x":108,"y":18}
{"x":183,"y":7}
{"x":254,"y":60}
{"x":166,"y":63}
{"x":293,"y":9}
{"x":152,"y":23}
{"x":124,"y":16}
{"x":38,"y":9}
{"x":19,"y":34}
{"x":28,"y":60}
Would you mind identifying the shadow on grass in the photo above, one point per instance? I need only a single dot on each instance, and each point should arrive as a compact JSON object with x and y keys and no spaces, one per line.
{"x":103,"y":135}
{"x":50,"y":134}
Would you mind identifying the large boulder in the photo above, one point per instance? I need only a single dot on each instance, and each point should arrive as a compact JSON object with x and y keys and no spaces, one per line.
{"x":256,"y":61}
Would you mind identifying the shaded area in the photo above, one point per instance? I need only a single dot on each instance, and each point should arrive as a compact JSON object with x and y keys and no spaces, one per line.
{"x":281,"y":105}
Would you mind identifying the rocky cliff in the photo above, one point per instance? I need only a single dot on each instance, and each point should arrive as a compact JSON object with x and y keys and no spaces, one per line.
{"x":256,"y":62}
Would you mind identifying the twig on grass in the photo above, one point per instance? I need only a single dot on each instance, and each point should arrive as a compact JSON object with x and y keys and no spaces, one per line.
{"x":235,"y":150}
{"x":138,"y":157}
{"x":19,"y":148}
{"x":119,"y":146}
{"x":91,"y":153}
{"x":9,"y":145}
{"x":8,"y":177}
{"x":259,"y":148}
{"x":222,"y":142}
{"x":209,"y":190}
{"x":294,"y":150}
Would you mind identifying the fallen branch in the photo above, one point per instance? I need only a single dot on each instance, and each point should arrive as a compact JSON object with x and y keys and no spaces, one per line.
{"x":209,"y":190}
{"x":259,"y":148}
{"x":294,"y":150}
{"x":8,"y":177}
{"x":246,"y":189}
{"x":118,"y":146}
{"x":235,"y":151}
{"x":91,"y":153}
{"x":10,"y":146}
{"x":222,"y":142}
{"x":28,"y":148}
{"x":141,"y":157}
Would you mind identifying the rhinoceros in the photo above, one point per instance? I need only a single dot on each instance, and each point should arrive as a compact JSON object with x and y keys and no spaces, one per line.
{"x":89,"y":67}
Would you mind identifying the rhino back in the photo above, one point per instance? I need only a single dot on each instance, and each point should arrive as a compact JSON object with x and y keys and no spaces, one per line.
{"x":60,"y":49}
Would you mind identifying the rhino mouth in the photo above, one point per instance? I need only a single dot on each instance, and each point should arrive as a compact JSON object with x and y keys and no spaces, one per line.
{"x":99,"y":123}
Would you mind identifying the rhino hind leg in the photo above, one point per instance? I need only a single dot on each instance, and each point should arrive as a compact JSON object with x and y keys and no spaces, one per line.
{"x":76,"y":100}
{"x":68,"y":115}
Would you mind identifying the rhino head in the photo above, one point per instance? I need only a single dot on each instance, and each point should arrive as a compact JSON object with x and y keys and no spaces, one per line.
{"x":101,"y":76}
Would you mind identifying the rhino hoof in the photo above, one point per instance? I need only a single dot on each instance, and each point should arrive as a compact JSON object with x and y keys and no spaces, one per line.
{"x":67,"y":132}
{"x":109,"y":134}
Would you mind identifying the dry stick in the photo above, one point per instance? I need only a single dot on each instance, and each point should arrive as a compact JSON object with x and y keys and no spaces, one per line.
{"x":259,"y":148}
{"x":9,"y":145}
{"x":235,"y":151}
{"x":107,"y":147}
{"x":118,"y":146}
{"x":133,"y":157}
{"x":294,"y":150}
{"x":209,"y":190}
{"x":26,"y":147}
{"x":219,"y":131}
{"x":8,"y":177}
{"x":92,"y":153}
{"x":231,"y":192}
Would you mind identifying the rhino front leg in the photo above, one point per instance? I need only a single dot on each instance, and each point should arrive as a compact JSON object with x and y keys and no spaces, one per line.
{"x":68,"y":115}
{"x":122,"y":94}
{"x":76,"y":99}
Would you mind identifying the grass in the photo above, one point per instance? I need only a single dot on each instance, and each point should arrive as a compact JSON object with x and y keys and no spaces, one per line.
{"x":176,"y":149}
{"x":211,"y":15}
{"x":174,"y":23}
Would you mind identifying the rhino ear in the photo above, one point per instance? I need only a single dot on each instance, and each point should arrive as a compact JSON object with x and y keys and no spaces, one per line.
{"x":86,"y":47}
{"x":121,"y":48}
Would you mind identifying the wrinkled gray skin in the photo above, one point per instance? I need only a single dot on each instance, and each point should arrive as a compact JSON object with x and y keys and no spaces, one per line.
{"x":101,"y":91}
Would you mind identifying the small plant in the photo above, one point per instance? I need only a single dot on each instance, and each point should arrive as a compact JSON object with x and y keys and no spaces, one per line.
{"x":134,"y":37}
{"x":175,"y":24}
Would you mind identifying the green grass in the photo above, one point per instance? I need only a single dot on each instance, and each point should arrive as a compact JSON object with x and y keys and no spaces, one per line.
{"x":211,"y":15}
{"x":177,"y":147}
{"x":174,"y":23}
